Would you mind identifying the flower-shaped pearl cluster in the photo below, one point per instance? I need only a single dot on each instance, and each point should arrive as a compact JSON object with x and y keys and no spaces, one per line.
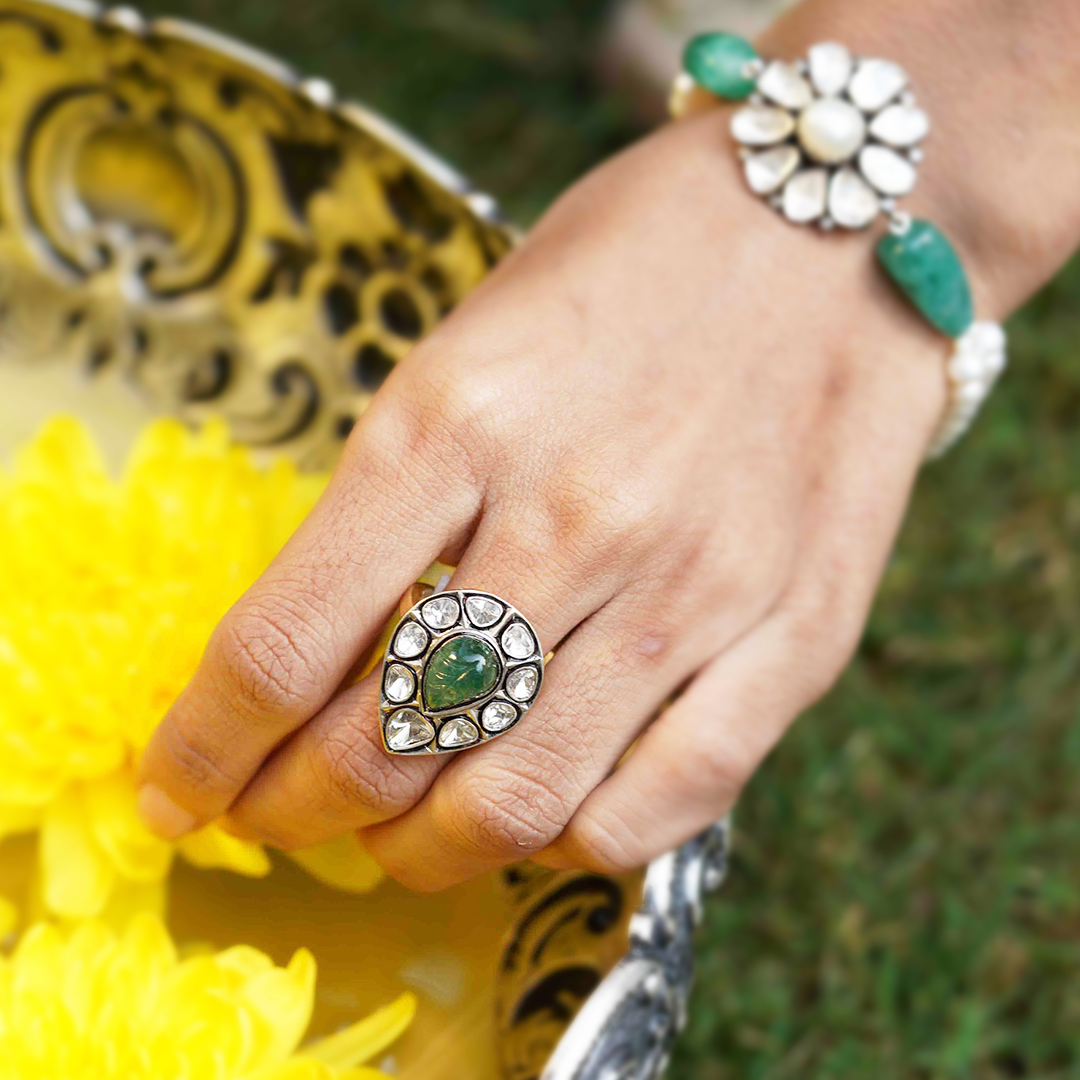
{"x":832,"y":139}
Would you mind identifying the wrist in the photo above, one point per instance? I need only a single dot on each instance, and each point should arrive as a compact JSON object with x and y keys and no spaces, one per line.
{"x":1001,"y":175}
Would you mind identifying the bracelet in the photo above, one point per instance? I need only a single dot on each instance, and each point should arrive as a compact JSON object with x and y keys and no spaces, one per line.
{"x":834,"y":141}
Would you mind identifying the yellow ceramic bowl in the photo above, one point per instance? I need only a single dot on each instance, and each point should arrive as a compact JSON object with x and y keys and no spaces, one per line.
{"x":188,"y":228}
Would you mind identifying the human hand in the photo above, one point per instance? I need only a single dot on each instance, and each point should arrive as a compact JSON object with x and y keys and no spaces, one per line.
{"x":679,"y":437}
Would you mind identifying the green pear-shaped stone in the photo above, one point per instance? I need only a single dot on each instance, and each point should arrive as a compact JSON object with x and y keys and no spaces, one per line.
{"x":460,"y":670}
{"x":719,"y":63}
{"x":927,"y":269}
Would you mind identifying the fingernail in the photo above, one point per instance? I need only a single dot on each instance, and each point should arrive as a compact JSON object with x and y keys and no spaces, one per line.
{"x":161,"y":815}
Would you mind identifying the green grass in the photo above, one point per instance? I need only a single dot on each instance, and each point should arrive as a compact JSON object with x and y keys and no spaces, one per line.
{"x":905,"y":894}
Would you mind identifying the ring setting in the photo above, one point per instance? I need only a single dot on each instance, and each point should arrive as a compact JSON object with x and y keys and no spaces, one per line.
{"x":462,"y":668}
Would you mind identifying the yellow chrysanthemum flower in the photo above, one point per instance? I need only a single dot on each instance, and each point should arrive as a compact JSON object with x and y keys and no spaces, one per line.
{"x":9,"y":917}
{"x":109,"y":590}
{"x":97,"y":1006}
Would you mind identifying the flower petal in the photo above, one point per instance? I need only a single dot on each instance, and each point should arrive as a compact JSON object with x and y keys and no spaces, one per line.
{"x":301,"y":1069}
{"x":343,"y":863}
{"x":137,"y":854}
{"x":39,"y":961}
{"x":77,"y":875}
{"x":86,"y":956}
{"x":213,"y":848}
{"x":284,"y":1000}
{"x":367,"y":1039}
{"x":143,"y":961}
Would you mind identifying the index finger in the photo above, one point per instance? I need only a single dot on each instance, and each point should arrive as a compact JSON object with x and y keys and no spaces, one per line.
{"x":285,"y":647}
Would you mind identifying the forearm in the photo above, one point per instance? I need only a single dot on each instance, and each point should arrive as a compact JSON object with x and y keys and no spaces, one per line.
{"x":1001,"y":83}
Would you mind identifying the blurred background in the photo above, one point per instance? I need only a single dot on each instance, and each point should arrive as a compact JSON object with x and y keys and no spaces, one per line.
{"x":905,"y":895}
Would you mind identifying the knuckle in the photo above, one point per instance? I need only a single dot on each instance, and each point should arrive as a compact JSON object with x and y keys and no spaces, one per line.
{"x":719,"y":571}
{"x":506,"y":816}
{"x":431,"y":430}
{"x":722,"y":770}
{"x":445,"y":404}
{"x":267,"y":655}
{"x":355,"y":775}
{"x":585,"y":514}
{"x":600,"y":849}
{"x":822,"y":634}
{"x":714,"y":774}
{"x":195,"y":758}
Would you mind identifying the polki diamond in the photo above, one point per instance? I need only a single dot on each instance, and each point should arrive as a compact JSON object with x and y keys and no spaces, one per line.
{"x":522,"y":683}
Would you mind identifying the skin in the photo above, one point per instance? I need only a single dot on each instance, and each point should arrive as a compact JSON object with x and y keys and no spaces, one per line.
{"x":680,"y":436}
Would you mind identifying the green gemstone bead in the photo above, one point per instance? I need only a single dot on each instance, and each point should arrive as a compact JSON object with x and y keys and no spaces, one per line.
{"x":459,"y":671}
{"x":718,"y":63}
{"x":928,"y":271}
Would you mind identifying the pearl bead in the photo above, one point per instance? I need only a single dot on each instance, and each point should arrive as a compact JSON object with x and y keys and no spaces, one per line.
{"x":832,"y":131}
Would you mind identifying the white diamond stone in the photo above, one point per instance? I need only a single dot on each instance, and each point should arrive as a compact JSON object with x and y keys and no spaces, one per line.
{"x":761,"y":125}
{"x":400,"y":683}
{"x":766,"y":172}
{"x":783,"y":84}
{"x":411,"y":640}
{"x":875,"y":83}
{"x":498,"y":716}
{"x":457,"y":733}
{"x":832,"y":131}
{"x":806,"y":196}
{"x":441,"y":612}
{"x":831,"y":66}
{"x":853,"y":203}
{"x":408,"y":730}
{"x":518,"y":642}
{"x":522,"y":683}
{"x":887,"y":171}
{"x":483,"y":611}
{"x":901,"y":126}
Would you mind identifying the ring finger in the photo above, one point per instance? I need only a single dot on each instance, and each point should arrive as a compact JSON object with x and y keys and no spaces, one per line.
{"x":334,"y":774}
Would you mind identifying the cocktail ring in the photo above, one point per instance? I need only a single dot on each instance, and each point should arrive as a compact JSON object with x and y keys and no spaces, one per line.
{"x":462,"y":668}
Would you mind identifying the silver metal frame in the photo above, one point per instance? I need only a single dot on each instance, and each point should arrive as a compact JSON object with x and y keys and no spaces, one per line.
{"x":627,"y":1028}
{"x":908,"y":152}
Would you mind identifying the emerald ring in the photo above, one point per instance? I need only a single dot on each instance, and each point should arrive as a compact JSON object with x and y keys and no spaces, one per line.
{"x":462,"y":668}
